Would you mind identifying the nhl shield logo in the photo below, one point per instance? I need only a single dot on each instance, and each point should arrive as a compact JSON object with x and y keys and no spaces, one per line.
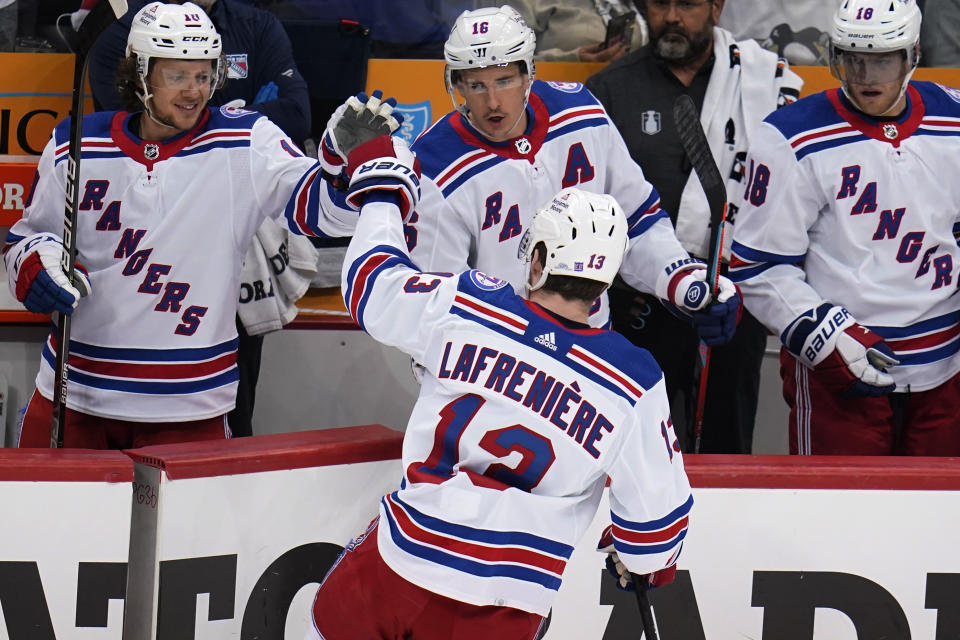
{"x":416,"y":119}
{"x":890,"y":131}
{"x":522,"y":145}
{"x":151,"y":151}
{"x":650,"y":122}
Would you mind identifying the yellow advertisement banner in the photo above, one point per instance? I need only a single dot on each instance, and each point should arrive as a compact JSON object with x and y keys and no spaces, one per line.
{"x":35,"y":94}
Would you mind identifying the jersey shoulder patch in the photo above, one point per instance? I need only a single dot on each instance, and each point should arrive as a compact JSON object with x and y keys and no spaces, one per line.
{"x":485,"y":282}
{"x":561,"y":96}
{"x":811,"y":112}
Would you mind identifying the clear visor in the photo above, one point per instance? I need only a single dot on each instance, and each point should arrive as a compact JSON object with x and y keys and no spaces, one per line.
{"x":870,"y":68}
{"x":480,"y":87}
{"x":184,"y":80}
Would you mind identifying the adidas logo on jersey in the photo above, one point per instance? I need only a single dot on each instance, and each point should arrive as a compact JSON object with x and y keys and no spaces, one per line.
{"x":548,"y":340}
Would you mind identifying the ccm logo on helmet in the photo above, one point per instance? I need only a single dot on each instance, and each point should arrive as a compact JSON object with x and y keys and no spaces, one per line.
{"x":195,"y":38}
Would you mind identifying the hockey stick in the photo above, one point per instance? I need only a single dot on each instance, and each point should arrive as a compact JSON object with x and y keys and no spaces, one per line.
{"x":100,"y":17}
{"x":647,"y":622}
{"x":695,"y":145}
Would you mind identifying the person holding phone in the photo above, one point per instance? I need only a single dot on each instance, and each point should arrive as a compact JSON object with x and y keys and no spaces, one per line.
{"x":582,"y":30}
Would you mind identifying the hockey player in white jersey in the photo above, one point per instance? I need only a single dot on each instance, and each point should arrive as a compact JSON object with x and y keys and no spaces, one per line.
{"x":845,"y":245}
{"x":171,"y":194}
{"x":523,"y":414}
{"x":511,"y":143}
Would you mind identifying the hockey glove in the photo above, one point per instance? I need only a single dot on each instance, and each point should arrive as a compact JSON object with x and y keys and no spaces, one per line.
{"x":714,"y":317}
{"x":358,"y":120}
{"x":622,"y":575}
{"x":846,"y":357}
{"x":384,"y":165}
{"x":41,"y":285}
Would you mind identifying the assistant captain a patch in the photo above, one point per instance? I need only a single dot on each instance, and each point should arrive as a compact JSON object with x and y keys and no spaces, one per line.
{"x":650,"y":122}
{"x":237,"y":66}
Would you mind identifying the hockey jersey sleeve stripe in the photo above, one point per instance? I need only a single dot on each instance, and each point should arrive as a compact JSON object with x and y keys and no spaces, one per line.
{"x":303,"y":208}
{"x":666,"y":521}
{"x":502,"y":552}
{"x":646,"y":215}
{"x":469,"y":306}
{"x":575,"y":125}
{"x":363,"y":273}
{"x":651,"y":537}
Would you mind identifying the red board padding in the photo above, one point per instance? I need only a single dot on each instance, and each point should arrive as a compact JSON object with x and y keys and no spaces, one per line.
{"x":823,"y":472}
{"x":273,"y":452}
{"x":64,"y":465}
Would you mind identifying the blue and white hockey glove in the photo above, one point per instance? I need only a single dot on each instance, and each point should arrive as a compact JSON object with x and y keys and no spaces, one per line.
{"x":714,"y":317}
{"x":358,"y":120}
{"x":621,"y":573}
{"x":845,"y":356}
{"x":41,"y":285}
{"x":384,"y":166}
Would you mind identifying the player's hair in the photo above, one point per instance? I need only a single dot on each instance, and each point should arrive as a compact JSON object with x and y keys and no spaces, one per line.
{"x":572,"y":288}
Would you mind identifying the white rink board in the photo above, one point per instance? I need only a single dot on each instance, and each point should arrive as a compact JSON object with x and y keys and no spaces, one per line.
{"x":893,"y":538}
{"x":58,"y":525}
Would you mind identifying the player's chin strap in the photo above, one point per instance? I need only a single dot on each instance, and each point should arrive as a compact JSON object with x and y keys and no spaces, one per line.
{"x":145,"y":98}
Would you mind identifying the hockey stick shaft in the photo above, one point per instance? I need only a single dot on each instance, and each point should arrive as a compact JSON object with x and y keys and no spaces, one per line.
{"x":697,"y":149}
{"x":99,"y":18}
{"x":647,"y":621}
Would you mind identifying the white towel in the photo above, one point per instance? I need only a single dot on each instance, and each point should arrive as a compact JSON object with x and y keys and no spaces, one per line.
{"x":743,"y":94}
{"x":277,"y":271}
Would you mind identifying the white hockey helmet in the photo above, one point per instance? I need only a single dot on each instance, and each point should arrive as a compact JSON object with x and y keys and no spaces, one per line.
{"x":487,"y":37}
{"x":179,"y":31}
{"x":874,"y":26}
{"x":585,"y":235}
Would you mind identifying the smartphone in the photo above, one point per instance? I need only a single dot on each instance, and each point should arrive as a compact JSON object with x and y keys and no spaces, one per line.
{"x":620,"y":29}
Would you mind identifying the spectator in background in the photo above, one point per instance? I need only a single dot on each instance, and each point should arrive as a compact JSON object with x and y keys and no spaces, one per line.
{"x":846,"y":247}
{"x":8,"y":25}
{"x":411,"y":29}
{"x":793,"y":30}
{"x":261,"y":76}
{"x":734,"y":85}
{"x":940,"y":34}
{"x":574,"y":30}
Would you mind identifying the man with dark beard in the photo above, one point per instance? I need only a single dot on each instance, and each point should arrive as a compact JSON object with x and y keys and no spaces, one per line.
{"x":734,"y":85}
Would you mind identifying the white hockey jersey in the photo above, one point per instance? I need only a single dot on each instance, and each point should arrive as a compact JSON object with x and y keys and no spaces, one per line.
{"x":859,"y":213}
{"x":518,"y":424}
{"x":479,"y":196}
{"x":162,"y":230}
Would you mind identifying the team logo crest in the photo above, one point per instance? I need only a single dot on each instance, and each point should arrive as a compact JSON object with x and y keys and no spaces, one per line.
{"x":151,"y":151}
{"x":416,"y":119}
{"x":650,"y":122}
{"x":950,"y":91}
{"x":234,"y":112}
{"x":522,"y":145}
{"x":890,"y":131}
{"x":566,"y":87}
{"x":485,"y":282}
{"x":237,"y":66}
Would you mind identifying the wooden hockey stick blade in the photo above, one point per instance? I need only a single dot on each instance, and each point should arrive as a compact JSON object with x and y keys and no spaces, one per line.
{"x":697,"y":148}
